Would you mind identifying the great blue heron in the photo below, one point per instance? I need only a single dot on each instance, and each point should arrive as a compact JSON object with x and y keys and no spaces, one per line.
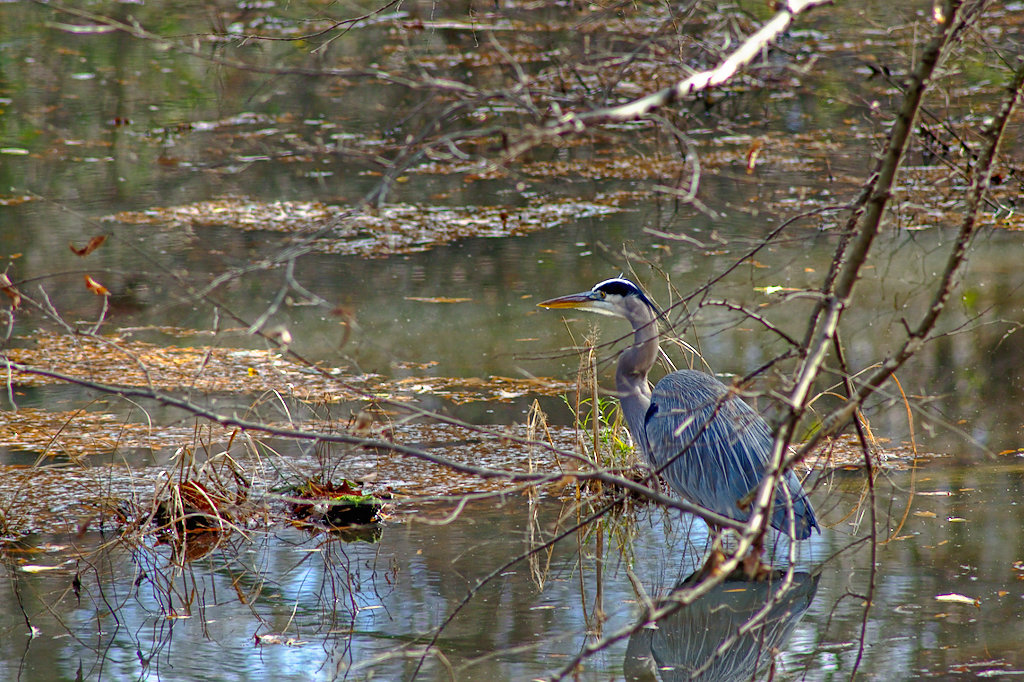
{"x":710,"y":446}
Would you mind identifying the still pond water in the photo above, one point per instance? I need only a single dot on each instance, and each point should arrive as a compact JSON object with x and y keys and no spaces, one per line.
{"x":96,"y":123}
{"x":346,"y":610}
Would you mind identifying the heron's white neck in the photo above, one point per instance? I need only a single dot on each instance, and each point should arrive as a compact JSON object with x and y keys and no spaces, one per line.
{"x":634,"y":364}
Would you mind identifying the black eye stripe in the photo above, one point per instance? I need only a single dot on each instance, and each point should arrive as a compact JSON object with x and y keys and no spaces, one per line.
{"x":619,"y":287}
{"x":624,"y":288}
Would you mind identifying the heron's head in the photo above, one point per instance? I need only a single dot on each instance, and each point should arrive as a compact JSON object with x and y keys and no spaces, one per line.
{"x":616,"y":297}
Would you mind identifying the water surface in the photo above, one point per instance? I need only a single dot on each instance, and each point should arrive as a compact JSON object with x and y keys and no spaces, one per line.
{"x":95,"y":123}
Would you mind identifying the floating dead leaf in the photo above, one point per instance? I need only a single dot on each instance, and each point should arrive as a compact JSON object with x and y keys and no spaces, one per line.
{"x":437,"y":299}
{"x":273,"y":640}
{"x":95,"y":287}
{"x":8,"y":288}
{"x":77,"y":433}
{"x":122,"y":362}
{"x":281,"y":335}
{"x":94,"y":243}
{"x":958,"y":599}
{"x":471,"y":389}
{"x":119,"y":361}
{"x":846,"y":452}
{"x":409,"y":365}
{"x":387,"y":230}
{"x":361,"y":425}
{"x":37,"y":568}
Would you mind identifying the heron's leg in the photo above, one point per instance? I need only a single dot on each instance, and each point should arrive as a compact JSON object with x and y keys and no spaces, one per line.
{"x":716,"y":538}
{"x":753,"y":567}
{"x":716,"y":555}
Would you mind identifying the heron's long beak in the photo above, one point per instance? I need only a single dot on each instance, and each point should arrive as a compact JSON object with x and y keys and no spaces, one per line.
{"x":581,"y":300}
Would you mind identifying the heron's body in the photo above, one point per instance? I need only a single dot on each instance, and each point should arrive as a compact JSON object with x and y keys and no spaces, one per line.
{"x":710,"y":446}
{"x":721,"y":450}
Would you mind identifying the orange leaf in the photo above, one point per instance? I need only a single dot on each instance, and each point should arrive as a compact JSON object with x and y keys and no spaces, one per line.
{"x":95,"y":287}
{"x":8,"y":288}
{"x":93,"y":244}
{"x":755,"y":149}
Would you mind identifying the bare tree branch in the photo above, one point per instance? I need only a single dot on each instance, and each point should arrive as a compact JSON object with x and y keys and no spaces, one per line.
{"x":954,"y":264}
{"x":747,"y":51}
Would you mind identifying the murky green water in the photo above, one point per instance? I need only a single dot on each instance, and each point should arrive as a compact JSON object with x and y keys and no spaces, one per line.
{"x":94,"y":123}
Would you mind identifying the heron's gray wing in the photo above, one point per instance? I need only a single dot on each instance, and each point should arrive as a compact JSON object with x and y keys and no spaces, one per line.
{"x":714,"y":449}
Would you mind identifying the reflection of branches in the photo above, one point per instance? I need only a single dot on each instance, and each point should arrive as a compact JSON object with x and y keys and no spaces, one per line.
{"x":524,"y":556}
{"x":726,"y":70}
{"x":135,"y":30}
{"x":469,"y":98}
{"x":847,"y":276}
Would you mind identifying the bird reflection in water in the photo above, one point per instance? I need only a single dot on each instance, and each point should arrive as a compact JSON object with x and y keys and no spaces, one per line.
{"x":721,"y":636}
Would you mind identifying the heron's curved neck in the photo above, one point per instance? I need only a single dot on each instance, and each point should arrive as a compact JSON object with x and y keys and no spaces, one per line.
{"x":636,"y":361}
